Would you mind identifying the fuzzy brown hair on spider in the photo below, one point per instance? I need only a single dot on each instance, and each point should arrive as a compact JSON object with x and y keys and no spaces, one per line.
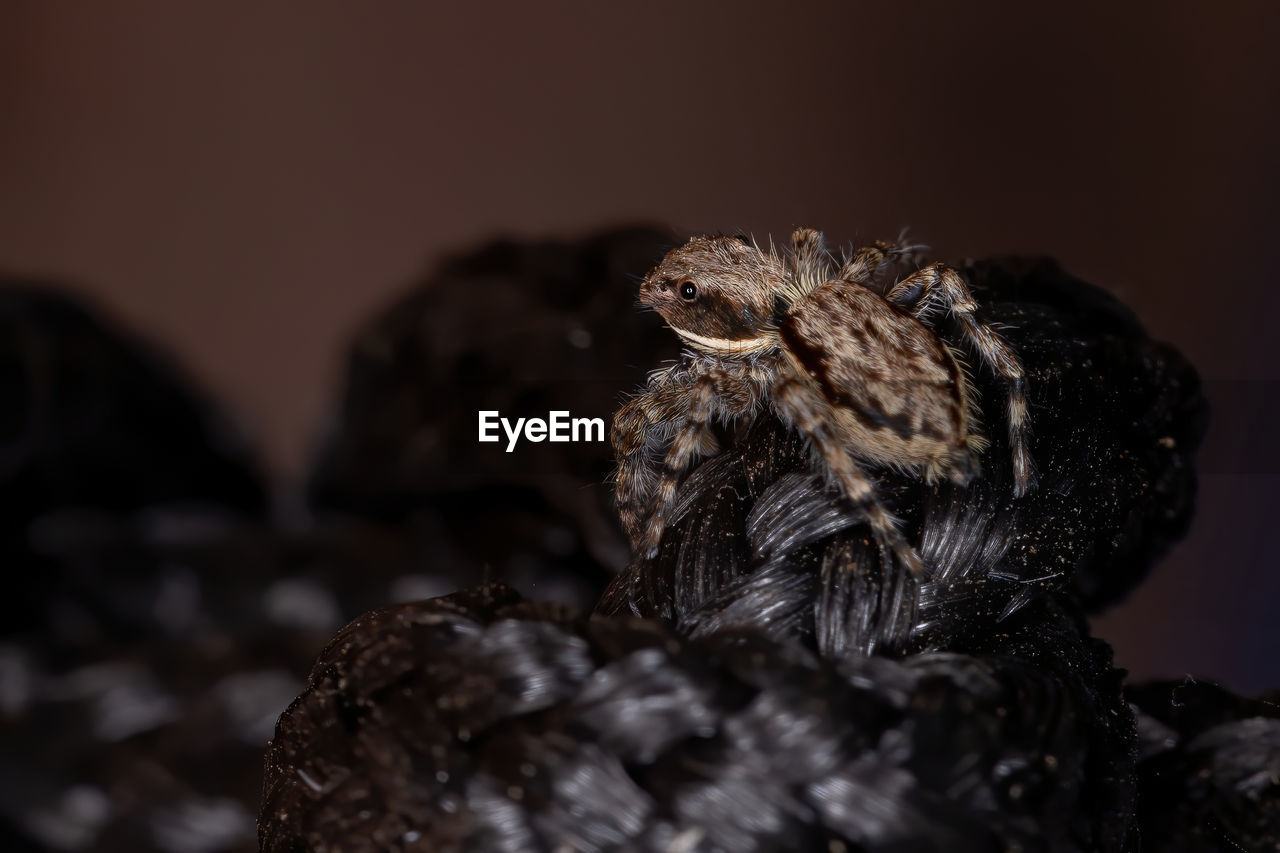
{"x":862,"y":375}
{"x":718,"y":294}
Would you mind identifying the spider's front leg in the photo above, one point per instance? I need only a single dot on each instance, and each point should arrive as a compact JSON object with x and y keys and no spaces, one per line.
{"x":677,"y":411}
{"x":640,"y":429}
{"x":797,"y":403}
{"x":938,"y":286}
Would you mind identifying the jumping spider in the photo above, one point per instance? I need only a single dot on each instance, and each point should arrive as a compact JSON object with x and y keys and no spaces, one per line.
{"x":863,"y":376}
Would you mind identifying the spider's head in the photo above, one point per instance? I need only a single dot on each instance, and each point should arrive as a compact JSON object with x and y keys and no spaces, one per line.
{"x":717,"y":293}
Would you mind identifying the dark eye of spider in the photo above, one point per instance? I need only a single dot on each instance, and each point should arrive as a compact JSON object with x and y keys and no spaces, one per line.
{"x":688,"y":290}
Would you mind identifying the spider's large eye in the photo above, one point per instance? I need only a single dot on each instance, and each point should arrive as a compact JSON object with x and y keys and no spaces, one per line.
{"x":688,"y":290}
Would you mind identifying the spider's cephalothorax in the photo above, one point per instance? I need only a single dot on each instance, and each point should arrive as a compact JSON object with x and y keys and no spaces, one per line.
{"x":861,"y":375}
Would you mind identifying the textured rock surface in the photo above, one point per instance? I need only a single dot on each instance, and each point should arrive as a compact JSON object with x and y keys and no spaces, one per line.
{"x":477,"y":722}
{"x":1210,"y":772}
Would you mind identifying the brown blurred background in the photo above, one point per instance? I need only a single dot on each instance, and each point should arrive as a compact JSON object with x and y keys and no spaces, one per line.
{"x":246,"y":182}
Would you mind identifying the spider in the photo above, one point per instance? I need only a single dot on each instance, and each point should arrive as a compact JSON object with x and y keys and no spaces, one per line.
{"x":861,"y":375}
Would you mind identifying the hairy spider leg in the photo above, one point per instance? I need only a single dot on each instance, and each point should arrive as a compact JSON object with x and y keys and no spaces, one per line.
{"x":864,"y":264}
{"x":640,"y":429}
{"x":631,"y":483}
{"x":690,"y":400}
{"x":810,"y":261}
{"x":940,"y":286}
{"x":797,"y":405}
{"x":715,"y":391}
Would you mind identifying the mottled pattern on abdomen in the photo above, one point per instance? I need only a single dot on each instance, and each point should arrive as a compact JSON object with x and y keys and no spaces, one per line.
{"x":891,"y":381}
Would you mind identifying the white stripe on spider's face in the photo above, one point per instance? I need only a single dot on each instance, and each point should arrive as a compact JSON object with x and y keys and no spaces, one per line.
{"x":724,"y":345}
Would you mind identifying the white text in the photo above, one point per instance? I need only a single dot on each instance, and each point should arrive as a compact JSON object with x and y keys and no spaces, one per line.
{"x":557,"y":427}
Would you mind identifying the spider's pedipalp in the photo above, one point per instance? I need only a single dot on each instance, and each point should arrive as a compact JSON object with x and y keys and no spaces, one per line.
{"x":677,"y":412}
{"x":640,"y":429}
{"x":632,"y":484}
{"x":939,"y":286}
{"x":797,"y":404}
{"x":692,"y":438}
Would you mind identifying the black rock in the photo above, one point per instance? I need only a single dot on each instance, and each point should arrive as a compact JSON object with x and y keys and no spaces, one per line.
{"x":97,"y":422}
{"x":478,"y":722}
{"x":1209,"y":775}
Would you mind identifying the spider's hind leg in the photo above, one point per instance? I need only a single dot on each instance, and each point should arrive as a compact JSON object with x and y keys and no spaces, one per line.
{"x":796,"y":404}
{"x":939,"y":287}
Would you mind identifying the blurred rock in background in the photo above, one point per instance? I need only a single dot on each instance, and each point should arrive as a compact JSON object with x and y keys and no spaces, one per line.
{"x":158,"y":620}
{"x":93,"y":422}
{"x":523,"y":329}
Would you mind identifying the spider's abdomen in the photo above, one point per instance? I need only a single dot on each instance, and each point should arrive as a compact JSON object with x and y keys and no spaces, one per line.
{"x":896,"y":392}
